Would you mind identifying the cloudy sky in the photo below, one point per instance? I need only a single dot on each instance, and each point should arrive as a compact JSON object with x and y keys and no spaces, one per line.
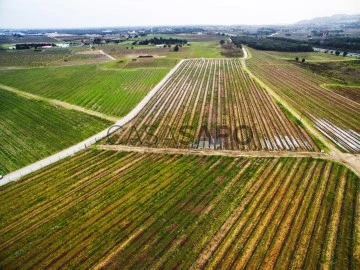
{"x":104,"y":13}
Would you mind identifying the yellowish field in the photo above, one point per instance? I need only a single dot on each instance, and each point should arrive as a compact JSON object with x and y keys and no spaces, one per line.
{"x":133,"y":210}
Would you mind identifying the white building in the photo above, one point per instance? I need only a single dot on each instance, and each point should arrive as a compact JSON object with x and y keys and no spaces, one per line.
{"x":63,"y":45}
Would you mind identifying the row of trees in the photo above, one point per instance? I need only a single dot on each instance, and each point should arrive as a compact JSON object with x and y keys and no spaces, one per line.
{"x":338,"y":43}
{"x":268,"y":44}
{"x":297,"y":59}
{"x":337,"y":53}
{"x":158,"y":41}
{"x":32,"y":45}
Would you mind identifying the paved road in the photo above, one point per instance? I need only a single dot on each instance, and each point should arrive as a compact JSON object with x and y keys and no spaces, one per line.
{"x":16,"y":175}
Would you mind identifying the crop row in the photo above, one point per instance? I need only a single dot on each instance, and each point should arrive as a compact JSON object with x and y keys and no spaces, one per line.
{"x":31,"y":130}
{"x":302,"y":89}
{"x":214,"y":104}
{"x":32,"y":58}
{"x":113,"y":92}
{"x":350,"y":92}
{"x":132,"y":210}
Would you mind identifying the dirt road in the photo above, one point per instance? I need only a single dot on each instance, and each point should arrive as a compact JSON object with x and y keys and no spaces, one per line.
{"x":349,"y":160}
{"x":108,"y":55}
{"x":211,"y":152}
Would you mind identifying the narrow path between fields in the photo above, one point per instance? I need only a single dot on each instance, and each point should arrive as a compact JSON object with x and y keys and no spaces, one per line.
{"x":58,"y":103}
{"x":349,"y":160}
{"x":211,"y":152}
{"x":108,"y":55}
{"x":352,"y":161}
{"x":97,"y":52}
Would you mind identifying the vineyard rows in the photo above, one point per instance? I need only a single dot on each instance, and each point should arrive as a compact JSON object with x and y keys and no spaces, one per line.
{"x":134,"y":210}
{"x":32,"y":58}
{"x":208,"y":99}
{"x":336,"y":116}
{"x":350,"y":92}
{"x":31,"y":130}
{"x":113,"y":92}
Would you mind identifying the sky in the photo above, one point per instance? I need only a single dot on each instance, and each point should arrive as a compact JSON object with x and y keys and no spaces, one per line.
{"x":107,"y":13}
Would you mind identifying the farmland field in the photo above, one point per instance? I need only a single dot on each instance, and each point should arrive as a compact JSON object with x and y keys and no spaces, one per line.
{"x":31,"y":130}
{"x":219,"y":97}
{"x":207,"y":49}
{"x":134,"y":63}
{"x":25,"y":39}
{"x":340,"y":72}
{"x":133,"y":210}
{"x":30,"y":57}
{"x":113,"y":92}
{"x":336,"y":116}
{"x":310,"y":56}
{"x":48,"y":57}
{"x":350,"y":92}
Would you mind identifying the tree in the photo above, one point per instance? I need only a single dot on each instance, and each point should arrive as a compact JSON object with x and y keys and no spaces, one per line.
{"x":345,"y":53}
{"x":303,"y":60}
{"x":337,"y":53}
{"x":97,"y":40}
{"x":296,"y":58}
{"x":222,"y":42}
{"x":176,"y":48}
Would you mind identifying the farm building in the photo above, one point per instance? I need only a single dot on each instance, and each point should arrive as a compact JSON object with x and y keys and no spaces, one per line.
{"x":63,"y":45}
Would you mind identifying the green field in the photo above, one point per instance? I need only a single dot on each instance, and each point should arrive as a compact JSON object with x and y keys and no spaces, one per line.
{"x":142,"y":211}
{"x":47,"y":57}
{"x":350,"y":92}
{"x":31,"y":130}
{"x":136,"y":63}
{"x":206,"y":49}
{"x":109,"y":91}
{"x":341,"y":72}
{"x":310,"y":56}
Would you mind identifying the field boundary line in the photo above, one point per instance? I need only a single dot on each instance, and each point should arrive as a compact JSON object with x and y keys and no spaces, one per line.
{"x":108,"y":55}
{"x":95,"y":52}
{"x":59,"y":103}
{"x":16,"y":175}
{"x":211,"y":152}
